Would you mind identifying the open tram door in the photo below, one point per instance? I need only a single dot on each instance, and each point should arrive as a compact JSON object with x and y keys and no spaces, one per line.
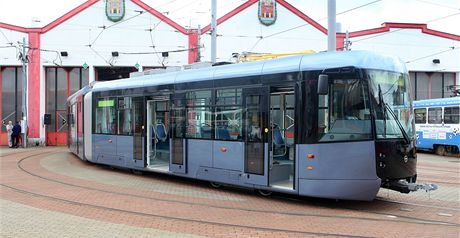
{"x":256,"y":134}
{"x":281,"y":164}
{"x":158,"y":138}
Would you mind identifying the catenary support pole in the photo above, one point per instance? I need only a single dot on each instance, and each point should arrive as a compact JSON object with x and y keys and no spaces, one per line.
{"x":24,"y":93}
{"x":213,"y":30}
{"x":331,"y":41}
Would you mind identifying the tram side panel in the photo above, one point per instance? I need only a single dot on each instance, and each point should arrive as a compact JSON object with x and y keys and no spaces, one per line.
{"x":338,"y":171}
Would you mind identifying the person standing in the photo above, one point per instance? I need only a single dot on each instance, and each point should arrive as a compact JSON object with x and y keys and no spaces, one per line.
{"x":9,"y":130}
{"x":15,"y":134}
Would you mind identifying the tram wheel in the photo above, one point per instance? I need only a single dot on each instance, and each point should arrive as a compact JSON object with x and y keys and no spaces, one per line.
{"x":440,"y":150}
{"x":215,"y":185}
{"x":264,"y":193}
{"x":136,"y":172}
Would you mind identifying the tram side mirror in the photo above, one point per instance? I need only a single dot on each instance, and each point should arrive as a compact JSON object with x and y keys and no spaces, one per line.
{"x":323,"y":84}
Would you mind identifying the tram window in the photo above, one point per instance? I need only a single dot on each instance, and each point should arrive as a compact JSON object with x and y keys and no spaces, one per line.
{"x":138,"y":115}
{"x":253,"y":119}
{"x":435,"y":115}
{"x":199,"y":98}
{"x":228,"y":97}
{"x":344,"y":113}
{"x":178,"y":119}
{"x":106,"y":116}
{"x":451,"y":115}
{"x":420,"y":115}
{"x":228,"y":114}
{"x":199,"y":122}
{"x":124,"y":124}
{"x":228,"y":123}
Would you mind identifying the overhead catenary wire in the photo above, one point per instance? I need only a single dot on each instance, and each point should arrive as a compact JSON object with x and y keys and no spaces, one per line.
{"x":432,"y":54}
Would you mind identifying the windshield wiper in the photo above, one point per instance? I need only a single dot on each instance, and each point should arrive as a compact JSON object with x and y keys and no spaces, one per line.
{"x":385,"y":108}
{"x":381,"y":104}
{"x":405,"y":135}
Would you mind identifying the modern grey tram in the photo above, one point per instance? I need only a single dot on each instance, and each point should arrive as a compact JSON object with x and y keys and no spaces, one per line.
{"x":319,"y":125}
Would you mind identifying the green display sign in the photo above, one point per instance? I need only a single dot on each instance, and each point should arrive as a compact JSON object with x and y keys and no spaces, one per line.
{"x":106,"y":103}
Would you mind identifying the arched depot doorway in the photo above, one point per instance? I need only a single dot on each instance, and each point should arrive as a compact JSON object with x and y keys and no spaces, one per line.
{"x":61,"y":82}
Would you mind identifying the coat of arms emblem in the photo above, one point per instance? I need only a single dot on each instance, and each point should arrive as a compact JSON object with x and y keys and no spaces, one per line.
{"x":115,"y":9}
{"x":267,"y":12}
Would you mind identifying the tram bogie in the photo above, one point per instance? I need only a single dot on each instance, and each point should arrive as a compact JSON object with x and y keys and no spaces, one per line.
{"x":263,"y":125}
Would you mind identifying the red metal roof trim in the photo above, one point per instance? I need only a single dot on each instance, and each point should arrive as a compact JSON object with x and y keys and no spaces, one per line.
{"x":13,"y":27}
{"x":388,"y":25}
{"x":303,"y":16}
{"x":232,"y":13}
{"x":68,"y":15}
{"x":283,"y":3}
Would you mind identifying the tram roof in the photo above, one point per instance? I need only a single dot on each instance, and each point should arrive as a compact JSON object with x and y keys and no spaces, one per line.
{"x":317,"y":61}
{"x":437,"y":102}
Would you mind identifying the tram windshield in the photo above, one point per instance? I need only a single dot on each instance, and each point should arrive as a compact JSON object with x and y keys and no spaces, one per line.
{"x":392,"y":104}
{"x":344,"y":113}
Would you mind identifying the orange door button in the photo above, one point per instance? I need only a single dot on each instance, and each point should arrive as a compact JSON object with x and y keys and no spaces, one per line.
{"x":311,"y":156}
{"x":310,"y":168}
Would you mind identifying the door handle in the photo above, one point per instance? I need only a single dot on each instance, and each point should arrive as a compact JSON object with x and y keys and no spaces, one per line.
{"x":110,"y":141}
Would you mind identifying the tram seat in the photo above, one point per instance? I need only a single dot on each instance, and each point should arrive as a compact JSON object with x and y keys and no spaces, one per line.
{"x":222,"y":133}
{"x":280,"y":146}
{"x":161,"y":134}
{"x":277,"y":137}
{"x":205,"y":131}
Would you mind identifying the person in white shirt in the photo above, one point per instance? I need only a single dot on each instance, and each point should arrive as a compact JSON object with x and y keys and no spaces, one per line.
{"x":9,"y":129}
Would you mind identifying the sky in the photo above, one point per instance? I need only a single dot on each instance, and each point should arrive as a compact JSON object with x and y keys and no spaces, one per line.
{"x":353,"y":15}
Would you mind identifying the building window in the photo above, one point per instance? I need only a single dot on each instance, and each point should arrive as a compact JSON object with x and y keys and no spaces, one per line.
{"x":11,"y":81}
{"x":429,"y":85}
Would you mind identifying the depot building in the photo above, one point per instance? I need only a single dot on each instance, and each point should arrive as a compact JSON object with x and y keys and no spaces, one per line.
{"x":104,"y":40}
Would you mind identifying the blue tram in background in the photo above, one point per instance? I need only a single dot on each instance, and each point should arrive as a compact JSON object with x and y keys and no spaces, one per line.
{"x":437,"y":124}
{"x":320,"y":125}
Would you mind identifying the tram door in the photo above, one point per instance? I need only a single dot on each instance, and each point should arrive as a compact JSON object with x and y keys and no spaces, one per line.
{"x":178,"y":142}
{"x":282,"y":147}
{"x":255,"y":101}
{"x":158,"y":143}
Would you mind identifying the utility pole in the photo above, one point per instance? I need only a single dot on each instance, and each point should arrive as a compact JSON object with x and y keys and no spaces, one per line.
{"x":331,"y":41}
{"x":213,"y":30}
{"x":24,"y":92}
{"x":198,"y":50}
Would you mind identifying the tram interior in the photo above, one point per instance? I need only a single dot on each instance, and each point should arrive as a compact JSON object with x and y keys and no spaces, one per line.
{"x":158,"y":151}
{"x":281,"y":170}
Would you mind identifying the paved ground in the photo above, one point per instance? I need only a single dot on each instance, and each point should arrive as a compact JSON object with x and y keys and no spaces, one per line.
{"x":47,"y":192}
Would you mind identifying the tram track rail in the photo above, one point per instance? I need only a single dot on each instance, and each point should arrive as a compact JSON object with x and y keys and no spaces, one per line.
{"x":175,"y":218}
{"x":385,"y":216}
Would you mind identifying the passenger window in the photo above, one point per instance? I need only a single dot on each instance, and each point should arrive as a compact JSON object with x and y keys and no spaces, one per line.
{"x":228,"y":114}
{"x":451,"y":115}
{"x":125,"y":116}
{"x":199,"y":120}
{"x":106,"y":116}
{"x":420,"y":115}
{"x":435,"y":115}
